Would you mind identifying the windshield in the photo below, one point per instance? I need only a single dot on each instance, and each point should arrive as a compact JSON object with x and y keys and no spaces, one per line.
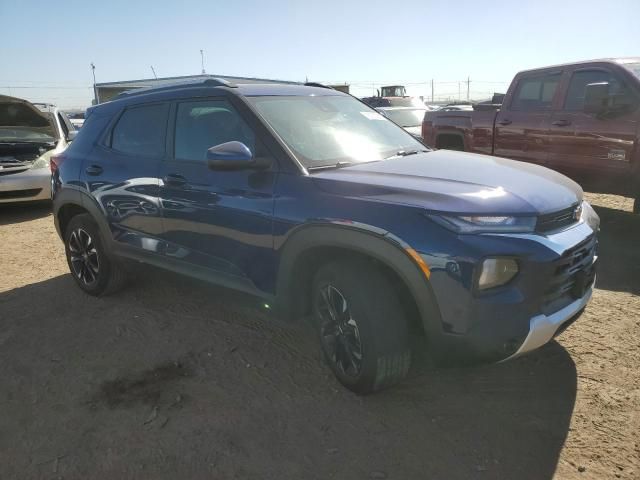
{"x":327,"y":130}
{"x":20,"y":122}
{"x":634,"y":68}
{"x":406,"y":118}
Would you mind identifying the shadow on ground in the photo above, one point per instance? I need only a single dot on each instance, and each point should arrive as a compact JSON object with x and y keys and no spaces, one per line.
{"x":23,"y":212}
{"x":175,"y":379}
{"x":619,"y":251}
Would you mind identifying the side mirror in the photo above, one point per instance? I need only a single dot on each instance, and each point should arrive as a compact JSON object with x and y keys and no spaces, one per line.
{"x":231,"y":156}
{"x":596,"y":97}
{"x":71,"y":136}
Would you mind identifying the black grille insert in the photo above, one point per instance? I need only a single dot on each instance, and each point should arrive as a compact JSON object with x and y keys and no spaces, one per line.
{"x":574,"y":273}
{"x":556,"y":220}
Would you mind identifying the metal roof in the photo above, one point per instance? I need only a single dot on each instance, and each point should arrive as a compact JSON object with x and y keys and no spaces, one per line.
{"x":156,"y":82}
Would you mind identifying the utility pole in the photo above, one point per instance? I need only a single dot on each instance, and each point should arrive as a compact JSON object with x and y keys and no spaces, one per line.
{"x":432,"y":90}
{"x":458,"y":91}
{"x":95,"y":90}
{"x":468,"y":86}
{"x":154,"y":72}
{"x":202,"y":61}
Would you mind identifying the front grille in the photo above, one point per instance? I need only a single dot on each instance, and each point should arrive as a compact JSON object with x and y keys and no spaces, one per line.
{"x":557,"y":220}
{"x":20,"y":193}
{"x":573,"y":274}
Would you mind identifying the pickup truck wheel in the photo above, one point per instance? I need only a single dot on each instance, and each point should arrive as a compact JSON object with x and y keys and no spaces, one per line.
{"x":90,"y":265}
{"x":362,"y":327}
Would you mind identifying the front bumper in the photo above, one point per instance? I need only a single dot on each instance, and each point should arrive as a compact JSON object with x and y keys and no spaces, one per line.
{"x":30,"y":185}
{"x":554,"y":285}
{"x":542,"y":328}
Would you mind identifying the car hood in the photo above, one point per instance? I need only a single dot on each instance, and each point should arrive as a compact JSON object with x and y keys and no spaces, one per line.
{"x":455,"y":182}
{"x":16,"y":113}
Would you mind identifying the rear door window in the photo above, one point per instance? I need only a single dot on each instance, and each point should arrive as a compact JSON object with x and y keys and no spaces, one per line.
{"x":141,"y":131}
{"x":535,"y":93}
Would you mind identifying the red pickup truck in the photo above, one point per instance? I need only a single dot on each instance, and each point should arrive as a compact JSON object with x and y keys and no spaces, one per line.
{"x":581,"y":119}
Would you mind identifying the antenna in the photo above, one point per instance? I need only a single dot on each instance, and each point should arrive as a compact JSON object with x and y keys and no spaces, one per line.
{"x":202,"y":60}
{"x":95,"y":90}
{"x":154,"y":72}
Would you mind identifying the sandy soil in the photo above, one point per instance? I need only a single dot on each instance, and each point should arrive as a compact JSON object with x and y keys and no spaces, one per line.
{"x":172,"y":378}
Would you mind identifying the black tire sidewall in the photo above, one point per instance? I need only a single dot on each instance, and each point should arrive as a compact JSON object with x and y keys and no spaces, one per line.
{"x":376,"y":309}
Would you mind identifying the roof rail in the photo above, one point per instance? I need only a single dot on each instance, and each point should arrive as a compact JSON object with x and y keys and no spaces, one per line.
{"x":207,"y":82}
{"x":319,"y":85}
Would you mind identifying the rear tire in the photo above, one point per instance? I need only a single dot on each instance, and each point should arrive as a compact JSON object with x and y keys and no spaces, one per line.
{"x":93,"y":270}
{"x":362,"y":326}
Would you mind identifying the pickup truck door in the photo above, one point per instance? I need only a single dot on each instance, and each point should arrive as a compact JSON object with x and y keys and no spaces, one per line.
{"x":587,"y":146}
{"x":220,"y":220}
{"x":522,"y":125}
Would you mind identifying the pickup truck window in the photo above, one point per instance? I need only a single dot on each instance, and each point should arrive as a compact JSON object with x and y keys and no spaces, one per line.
{"x":633,"y":68}
{"x":535,"y":93}
{"x":582,"y":78}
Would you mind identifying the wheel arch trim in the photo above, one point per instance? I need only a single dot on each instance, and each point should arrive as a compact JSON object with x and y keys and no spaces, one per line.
{"x":364,"y":239}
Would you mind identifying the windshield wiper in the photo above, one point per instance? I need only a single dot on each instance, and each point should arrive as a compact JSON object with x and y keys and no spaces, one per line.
{"x":331,"y":165}
{"x":405,"y":153}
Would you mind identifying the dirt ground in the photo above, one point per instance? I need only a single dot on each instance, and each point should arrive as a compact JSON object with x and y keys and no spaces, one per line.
{"x":175,"y":379}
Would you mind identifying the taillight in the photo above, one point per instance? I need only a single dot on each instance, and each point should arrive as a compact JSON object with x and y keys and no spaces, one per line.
{"x":55,"y":162}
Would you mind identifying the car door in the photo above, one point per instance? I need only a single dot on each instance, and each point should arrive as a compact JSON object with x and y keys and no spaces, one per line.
{"x":590,"y":146}
{"x":221,"y":220}
{"x":122,"y":175}
{"x":522,"y":124}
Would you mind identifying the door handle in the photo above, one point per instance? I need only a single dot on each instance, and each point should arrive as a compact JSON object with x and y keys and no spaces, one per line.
{"x":561,"y":123}
{"x":505,"y":121}
{"x":175,"y":180}
{"x":93,"y":170}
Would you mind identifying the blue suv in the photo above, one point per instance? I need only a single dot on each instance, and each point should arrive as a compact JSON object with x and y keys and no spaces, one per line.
{"x":327,"y":210}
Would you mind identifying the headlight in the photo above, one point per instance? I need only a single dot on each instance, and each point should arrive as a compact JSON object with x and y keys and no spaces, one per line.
{"x":480,"y":224}
{"x":589,"y":216}
{"x":41,"y":162}
{"x":496,"y":271}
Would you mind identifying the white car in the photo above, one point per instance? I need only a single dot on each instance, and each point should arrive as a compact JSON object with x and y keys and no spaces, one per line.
{"x":30,"y":133}
{"x":409,"y":118}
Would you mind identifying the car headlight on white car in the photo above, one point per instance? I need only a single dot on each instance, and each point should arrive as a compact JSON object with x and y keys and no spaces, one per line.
{"x":42,"y":161}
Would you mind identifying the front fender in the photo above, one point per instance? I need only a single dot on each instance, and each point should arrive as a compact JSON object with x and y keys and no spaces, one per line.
{"x":371,"y":241}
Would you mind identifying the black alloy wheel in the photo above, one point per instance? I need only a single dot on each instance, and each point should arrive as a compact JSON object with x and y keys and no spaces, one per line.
{"x":83,"y":257}
{"x":339,"y":333}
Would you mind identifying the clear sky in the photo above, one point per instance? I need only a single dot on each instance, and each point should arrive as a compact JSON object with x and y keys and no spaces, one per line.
{"x":48,"y":45}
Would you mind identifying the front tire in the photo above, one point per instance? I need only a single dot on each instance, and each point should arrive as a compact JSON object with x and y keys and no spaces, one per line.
{"x":362,"y":327}
{"x":93,"y":270}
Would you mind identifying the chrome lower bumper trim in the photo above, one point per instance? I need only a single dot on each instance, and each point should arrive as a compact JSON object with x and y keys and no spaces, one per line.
{"x":542,"y":328}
